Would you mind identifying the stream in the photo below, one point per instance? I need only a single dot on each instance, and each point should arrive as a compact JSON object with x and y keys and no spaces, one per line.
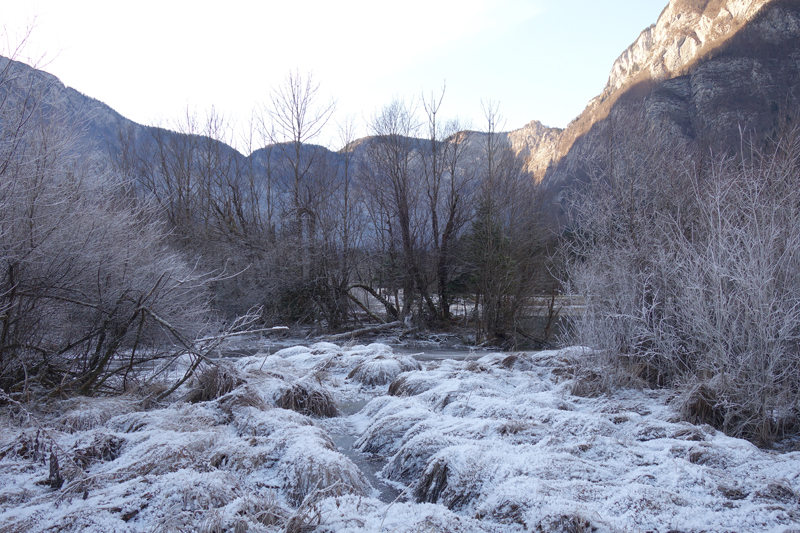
{"x":341,"y":430}
{"x":372,"y":464}
{"x":369,"y":463}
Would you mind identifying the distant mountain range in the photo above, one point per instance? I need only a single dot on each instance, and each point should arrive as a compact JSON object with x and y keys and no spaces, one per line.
{"x":721,"y":64}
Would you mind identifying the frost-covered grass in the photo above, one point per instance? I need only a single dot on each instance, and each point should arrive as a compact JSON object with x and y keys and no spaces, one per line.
{"x":506,"y":440}
{"x":497,"y":444}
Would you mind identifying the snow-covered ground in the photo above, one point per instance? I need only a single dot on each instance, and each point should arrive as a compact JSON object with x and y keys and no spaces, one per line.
{"x":494,"y":444}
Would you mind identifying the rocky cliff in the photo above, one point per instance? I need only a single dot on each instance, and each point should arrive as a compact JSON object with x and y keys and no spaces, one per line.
{"x":731,"y":63}
{"x":685,"y":31}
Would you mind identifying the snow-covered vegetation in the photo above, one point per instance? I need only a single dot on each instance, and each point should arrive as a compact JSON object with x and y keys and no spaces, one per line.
{"x":689,"y":267}
{"x":496,"y":443}
{"x":123,"y":412}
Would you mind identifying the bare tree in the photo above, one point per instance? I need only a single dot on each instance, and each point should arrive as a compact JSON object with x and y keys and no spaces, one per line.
{"x":447,"y":184}
{"x":393,"y":182}
{"x":296,"y":120}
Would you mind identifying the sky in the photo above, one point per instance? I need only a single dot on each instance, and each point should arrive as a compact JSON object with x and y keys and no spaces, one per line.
{"x":152,"y":61}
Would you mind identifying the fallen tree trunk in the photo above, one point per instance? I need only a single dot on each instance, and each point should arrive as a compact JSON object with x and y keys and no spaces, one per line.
{"x":364,"y":331}
{"x":364,"y":308}
{"x":390,"y":309}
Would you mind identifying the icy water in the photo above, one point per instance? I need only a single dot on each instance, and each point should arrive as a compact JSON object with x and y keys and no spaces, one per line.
{"x":370,"y":464}
{"x":420,"y":353}
{"x":439,"y":353}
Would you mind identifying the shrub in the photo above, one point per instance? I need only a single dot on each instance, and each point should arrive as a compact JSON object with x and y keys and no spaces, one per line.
{"x":88,"y":288}
{"x":689,"y":267}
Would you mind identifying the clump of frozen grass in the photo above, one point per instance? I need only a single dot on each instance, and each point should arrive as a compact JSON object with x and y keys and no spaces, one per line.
{"x":410,"y":461}
{"x":455,"y":476}
{"x":255,"y":422}
{"x":266,"y":510}
{"x":389,"y":424}
{"x":179,"y":418}
{"x":433,"y":482}
{"x":699,"y":405}
{"x":162,"y":453}
{"x":480,"y":366}
{"x":352,"y":514}
{"x":309,"y":513}
{"x":590,"y":384}
{"x":382,"y":369}
{"x":325,"y":470}
{"x":243,"y":396}
{"x":410,"y":385}
{"x":145,"y":391}
{"x":309,"y":399}
{"x":211,"y":382}
{"x":518,"y":361}
{"x":100,"y":448}
{"x":592,"y":378}
{"x":566,"y":523}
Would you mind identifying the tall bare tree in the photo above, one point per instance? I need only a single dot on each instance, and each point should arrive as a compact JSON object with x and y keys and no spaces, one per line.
{"x":505,"y":241}
{"x":447,"y":182}
{"x":393,"y":181}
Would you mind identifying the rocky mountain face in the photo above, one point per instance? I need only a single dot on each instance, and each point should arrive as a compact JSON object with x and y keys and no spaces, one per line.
{"x":538,"y":144}
{"x":685,"y":31}
{"x":711,"y":67}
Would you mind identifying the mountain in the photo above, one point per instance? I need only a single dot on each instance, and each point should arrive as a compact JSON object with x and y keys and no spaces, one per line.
{"x":97,"y":125}
{"x":713,"y":68}
{"x":710,"y":67}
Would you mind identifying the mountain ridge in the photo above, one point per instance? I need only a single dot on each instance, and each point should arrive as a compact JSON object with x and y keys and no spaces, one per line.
{"x":686,"y":32}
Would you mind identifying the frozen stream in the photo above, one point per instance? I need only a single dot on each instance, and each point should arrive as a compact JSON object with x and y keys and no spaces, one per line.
{"x":370,"y":464}
{"x":343,"y":433}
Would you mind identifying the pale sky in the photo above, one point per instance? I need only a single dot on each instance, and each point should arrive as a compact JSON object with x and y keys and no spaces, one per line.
{"x":152,"y":60}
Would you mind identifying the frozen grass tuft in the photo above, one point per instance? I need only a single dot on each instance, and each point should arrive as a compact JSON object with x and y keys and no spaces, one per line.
{"x":244,"y":396}
{"x":255,"y":422}
{"x":375,"y":372}
{"x":309,"y":399}
{"x":211,"y":382}
{"x":381,"y":369}
{"x":568,"y":523}
{"x":325,"y":470}
{"x":101,"y":448}
{"x":410,"y":385}
{"x":518,"y":361}
{"x":455,"y":476}
{"x":589,"y":384}
{"x":389,"y":425}
{"x":410,"y":461}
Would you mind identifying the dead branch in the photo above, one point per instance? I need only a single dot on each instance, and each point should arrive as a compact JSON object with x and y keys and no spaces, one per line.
{"x":364,"y":331}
